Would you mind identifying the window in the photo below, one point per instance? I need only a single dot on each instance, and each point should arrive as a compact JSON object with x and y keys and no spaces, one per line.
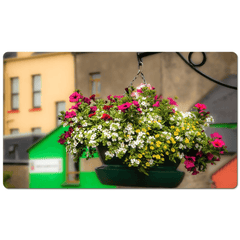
{"x":60,"y":106}
{"x":36,"y":91}
{"x":13,"y":152}
{"x":15,"y":93}
{"x":14,"y":131}
{"x":95,"y":84}
{"x":72,"y":170}
{"x":36,"y":130}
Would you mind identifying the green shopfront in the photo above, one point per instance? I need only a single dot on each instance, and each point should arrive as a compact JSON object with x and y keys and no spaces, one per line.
{"x":50,"y":166}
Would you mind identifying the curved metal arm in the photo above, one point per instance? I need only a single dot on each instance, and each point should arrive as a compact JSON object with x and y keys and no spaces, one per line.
{"x":204,"y":75}
{"x":140,"y":55}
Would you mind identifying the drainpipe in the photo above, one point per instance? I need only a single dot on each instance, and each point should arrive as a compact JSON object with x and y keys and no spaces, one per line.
{"x":75,"y":69}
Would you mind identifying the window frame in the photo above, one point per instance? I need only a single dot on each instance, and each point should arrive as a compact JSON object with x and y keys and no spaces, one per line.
{"x":57,"y":111}
{"x":36,"y":128}
{"x":12,"y":130}
{"x":33,"y":92}
{"x":14,"y":94}
{"x":71,"y":172}
{"x":96,"y":80}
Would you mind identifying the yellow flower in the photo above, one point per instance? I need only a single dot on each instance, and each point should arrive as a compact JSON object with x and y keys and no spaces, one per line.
{"x":167,"y":153}
{"x":193,"y":141}
{"x":149,"y":128}
{"x":157,"y":136}
{"x":152,"y":147}
{"x":128,"y":135}
{"x":158,"y":142}
{"x":145,"y":148}
{"x":197,"y":122}
{"x":154,"y":121}
{"x":137,"y":131}
{"x":186,"y":141}
{"x":175,"y":133}
{"x":198,"y":134}
{"x":172,"y":127}
{"x":173,"y":142}
{"x":158,"y":157}
{"x":183,"y":128}
{"x":173,"y":150}
{"x":139,"y":121}
{"x":162,"y":154}
{"x":144,"y":130}
{"x":159,"y":120}
{"x":188,"y":123}
{"x":168,"y":141}
{"x":151,"y":143}
{"x":143,"y":153}
{"x":158,"y":145}
{"x":140,"y":155}
{"x":147,"y":133}
{"x":177,"y":130}
{"x":129,"y":165}
{"x":163,"y":159}
{"x":165,"y":147}
{"x":147,"y":164}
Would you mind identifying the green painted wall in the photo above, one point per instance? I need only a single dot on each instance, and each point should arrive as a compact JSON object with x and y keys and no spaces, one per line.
{"x":48,"y":147}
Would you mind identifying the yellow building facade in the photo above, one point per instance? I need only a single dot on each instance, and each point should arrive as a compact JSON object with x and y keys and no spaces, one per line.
{"x":36,"y":87}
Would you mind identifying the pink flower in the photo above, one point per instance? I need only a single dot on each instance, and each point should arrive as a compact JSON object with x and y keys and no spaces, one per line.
{"x":200,"y":106}
{"x":93,"y":109}
{"x":156,"y":97}
{"x":139,"y":91}
{"x":67,"y":135}
{"x":209,"y":156}
{"x":75,"y":106}
{"x":70,"y":114}
{"x":172,"y":102}
{"x":139,"y":109}
{"x":156,"y":104}
{"x":173,"y":111}
{"x":221,"y":152}
{"x":200,"y":154}
{"x":218,"y":143}
{"x":74,"y":97}
{"x":119,"y":97}
{"x":216,"y":135}
{"x":136,"y":104}
{"x":87,"y":100}
{"x":190,"y":158}
{"x":124,"y":106}
{"x":135,"y":94}
{"x":189,"y":164}
{"x":110,"y":99}
{"x":217,"y":159}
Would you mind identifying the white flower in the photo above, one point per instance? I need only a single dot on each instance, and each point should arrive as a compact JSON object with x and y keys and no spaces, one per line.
{"x":109,"y":143}
{"x":151,"y":109}
{"x":171,"y":119}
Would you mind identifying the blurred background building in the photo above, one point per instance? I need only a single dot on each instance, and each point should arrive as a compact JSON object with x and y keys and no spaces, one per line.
{"x":37,"y":86}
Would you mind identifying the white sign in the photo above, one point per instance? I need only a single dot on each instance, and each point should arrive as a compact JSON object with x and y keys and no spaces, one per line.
{"x":53,"y":165}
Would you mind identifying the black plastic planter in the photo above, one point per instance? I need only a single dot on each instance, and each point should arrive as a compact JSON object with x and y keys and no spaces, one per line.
{"x":113,"y":172}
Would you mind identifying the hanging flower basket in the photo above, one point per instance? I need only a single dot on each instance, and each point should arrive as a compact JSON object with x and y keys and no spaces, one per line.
{"x":140,"y":137}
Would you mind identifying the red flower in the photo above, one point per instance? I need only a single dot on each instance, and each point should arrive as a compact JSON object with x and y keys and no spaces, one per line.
{"x":75,"y":106}
{"x":92,"y":97}
{"x":195,"y":172}
{"x":61,"y":141}
{"x":200,"y":154}
{"x":106,"y":117}
{"x":156,"y":104}
{"x":70,"y":129}
{"x":209,"y":156}
{"x":92,"y":114}
{"x":136,"y":104}
{"x":107,"y":107}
